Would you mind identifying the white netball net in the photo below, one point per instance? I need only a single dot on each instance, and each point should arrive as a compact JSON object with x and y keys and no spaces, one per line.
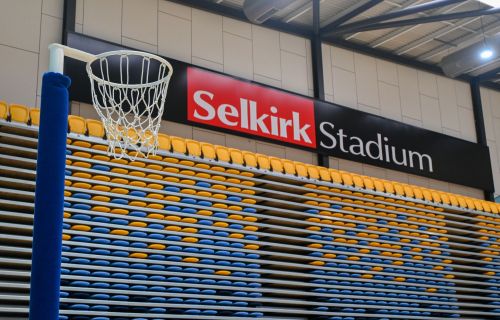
{"x":128,"y":91}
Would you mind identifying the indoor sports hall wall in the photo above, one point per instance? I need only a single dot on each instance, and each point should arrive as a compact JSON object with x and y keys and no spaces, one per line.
{"x":248,"y":51}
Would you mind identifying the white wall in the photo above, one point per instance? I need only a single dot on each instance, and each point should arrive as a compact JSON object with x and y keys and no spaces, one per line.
{"x":26,"y":29}
{"x":244,"y":50}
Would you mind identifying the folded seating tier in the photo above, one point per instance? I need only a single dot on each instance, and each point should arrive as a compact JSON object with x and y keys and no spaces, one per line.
{"x":204,"y":231}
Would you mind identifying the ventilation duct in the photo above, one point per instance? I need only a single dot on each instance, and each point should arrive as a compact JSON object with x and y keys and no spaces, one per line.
{"x":482,"y":55}
{"x":258,"y":11}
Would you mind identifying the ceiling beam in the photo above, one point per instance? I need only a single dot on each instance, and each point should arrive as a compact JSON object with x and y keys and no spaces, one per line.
{"x":366,"y":23}
{"x":422,"y":20}
{"x":490,"y":75}
{"x":398,"y":6}
{"x":433,"y":35}
{"x":464,"y":41}
{"x":401,"y":31}
{"x":351,"y":13}
{"x":301,"y":10}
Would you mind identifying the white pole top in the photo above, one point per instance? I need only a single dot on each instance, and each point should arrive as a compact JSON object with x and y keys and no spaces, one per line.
{"x":57,"y":53}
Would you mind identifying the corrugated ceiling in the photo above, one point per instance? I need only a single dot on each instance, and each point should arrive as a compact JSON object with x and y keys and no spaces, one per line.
{"x":425,"y":42}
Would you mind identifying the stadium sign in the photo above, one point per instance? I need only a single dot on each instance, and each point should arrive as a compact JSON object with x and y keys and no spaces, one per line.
{"x":215,"y":101}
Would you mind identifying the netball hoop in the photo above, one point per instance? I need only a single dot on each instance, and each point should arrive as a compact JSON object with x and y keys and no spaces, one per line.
{"x":129,"y":89}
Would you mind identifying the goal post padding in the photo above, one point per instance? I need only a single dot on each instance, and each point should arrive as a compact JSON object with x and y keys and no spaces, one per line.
{"x":49,"y":198}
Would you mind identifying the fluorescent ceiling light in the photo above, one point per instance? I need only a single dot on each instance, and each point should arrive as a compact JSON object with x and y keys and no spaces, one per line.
{"x":480,"y":55}
{"x":491,"y":3}
{"x":486,"y":53}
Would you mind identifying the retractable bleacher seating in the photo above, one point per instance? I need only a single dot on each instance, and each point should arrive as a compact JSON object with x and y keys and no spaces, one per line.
{"x":200,"y":231}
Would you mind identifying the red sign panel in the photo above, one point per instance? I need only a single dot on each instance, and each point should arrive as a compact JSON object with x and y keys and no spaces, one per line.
{"x":236,"y":105}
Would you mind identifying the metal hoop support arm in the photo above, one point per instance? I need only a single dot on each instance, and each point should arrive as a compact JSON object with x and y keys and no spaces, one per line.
{"x":57,"y":52}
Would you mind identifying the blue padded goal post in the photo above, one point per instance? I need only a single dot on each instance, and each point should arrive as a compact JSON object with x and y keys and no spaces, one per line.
{"x":49,"y":190}
{"x":51,"y":161}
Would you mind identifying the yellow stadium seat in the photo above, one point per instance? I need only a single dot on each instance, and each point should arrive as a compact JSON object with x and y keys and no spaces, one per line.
{"x":235,"y":217}
{"x":250,"y":159}
{"x":189,"y":230}
{"x":193,"y":148}
{"x":223,"y":272}
{"x":178,"y":145}
{"x":493,"y":207}
{"x":313,"y":171}
{"x":470,"y":203}
{"x":156,"y":246}
{"x":77,"y":124}
{"x":379,"y":185}
{"x":173,"y":228}
{"x":486,"y":206}
{"x":81,"y":154}
{"x":388,"y":186}
{"x":444,"y":198}
{"x":368,"y":183}
{"x":461,"y":201}
{"x":408,"y":191}
{"x":186,"y":163}
{"x":399,"y":189}
{"x":250,"y":228}
{"x":34,"y":116}
{"x":139,"y":174}
{"x":236,"y":156}
{"x":133,"y":136}
{"x":95,"y":128}
{"x":263,"y":161}
{"x":347,"y":179}
{"x":221,"y":224}
{"x":427,"y":194}
{"x":417,"y":192}
{"x":276,"y":164}
{"x":146,"y":139}
{"x":138,"y":255}
{"x":156,"y":216}
{"x":301,"y":169}
{"x":222,"y":153}
{"x":252,"y":246}
{"x":164,"y":142}
{"x":315,"y":245}
{"x":453,"y":200}
{"x":80,"y":227}
{"x":191,"y":240}
{"x":336,"y":176}
{"x":119,"y":232}
{"x":288,"y":166}
{"x":436,"y":197}
{"x":324,"y":174}
{"x":19,"y":113}
{"x":3,"y":110}
{"x":208,"y":151}
{"x":358,"y":181}
{"x":479,"y":206}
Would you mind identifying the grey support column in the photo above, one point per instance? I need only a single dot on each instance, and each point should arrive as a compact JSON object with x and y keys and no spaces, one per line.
{"x":477,"y":107}
{"x":317,"y":66}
